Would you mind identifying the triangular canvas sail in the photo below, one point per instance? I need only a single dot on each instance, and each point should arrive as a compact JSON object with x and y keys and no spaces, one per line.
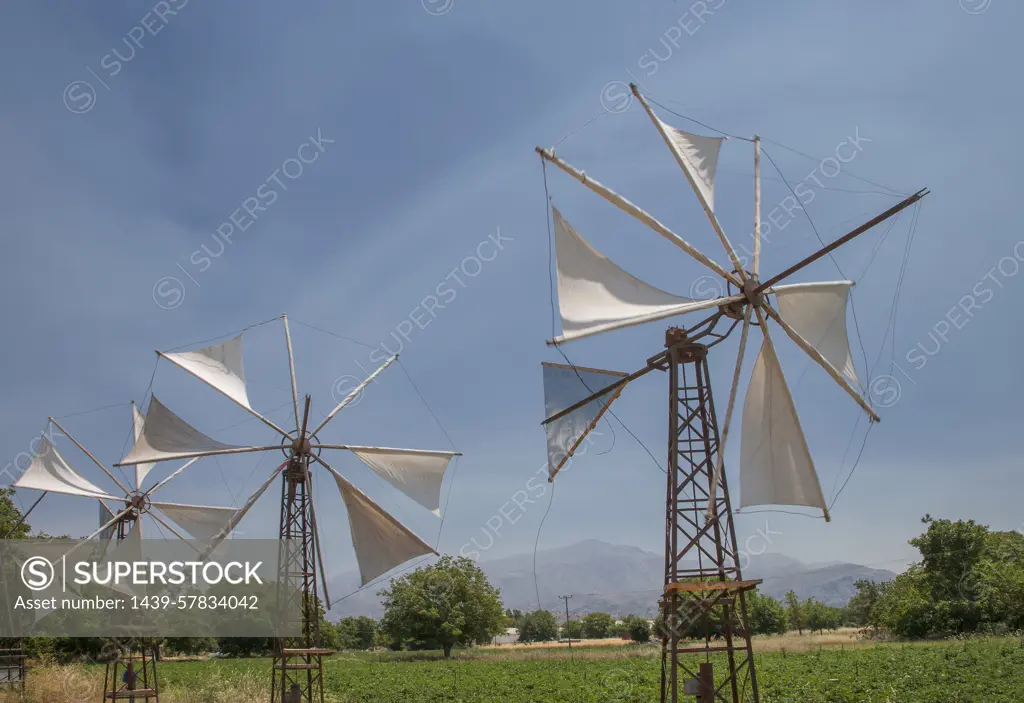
{"x":138,"y":422}
{"x":775,"y":463}
{"x":417,"y":474}
{"x":595,"y":295}
{"x":380,"y":541}
{"x":233,"y":519}
{"x":564,"y":386}
{"x":204,"y":523}
{"x":129,"y":550}
{"x":699,"y":156}
{"x":105,"y":517}
{"x":220,"y":366}
{"x":817,"y":311}
{"x":166,"y":436}
{"x":49,"y":472}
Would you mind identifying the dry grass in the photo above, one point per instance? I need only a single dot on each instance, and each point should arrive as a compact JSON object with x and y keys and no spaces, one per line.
{"x":77,"y":684}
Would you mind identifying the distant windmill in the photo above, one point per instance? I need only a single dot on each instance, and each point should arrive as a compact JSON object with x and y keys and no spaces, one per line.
{"x":596,"y":296}
{"x":122,"y":525}
{"x":381,"y":542}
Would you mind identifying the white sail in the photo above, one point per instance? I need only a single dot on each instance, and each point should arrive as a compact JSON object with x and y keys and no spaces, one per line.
{"x":105,"y":517}
{"x":595,"y":295}
{"x":817,"y":311}
{"x":380,"y":541}
{"x":775,"y":463}
{"x":417,"y":474}
{"x":138,"y":422}
{"x":166,"y":436}
{"x":49,"y":472}
{"x":220,"y":366}
{"x":564,"y":386}
{"x":203,"y":522}
{"x":699,"y":156}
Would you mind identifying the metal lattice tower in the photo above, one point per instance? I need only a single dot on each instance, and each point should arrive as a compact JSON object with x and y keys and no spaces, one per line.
{"x":704,"y":588}
{"x":298,"y":668}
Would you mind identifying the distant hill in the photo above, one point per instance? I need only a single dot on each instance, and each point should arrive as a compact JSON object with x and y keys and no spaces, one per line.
{"x":621,"y":580}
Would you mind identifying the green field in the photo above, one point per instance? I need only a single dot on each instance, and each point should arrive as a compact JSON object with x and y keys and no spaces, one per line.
{"x":990,"y":671}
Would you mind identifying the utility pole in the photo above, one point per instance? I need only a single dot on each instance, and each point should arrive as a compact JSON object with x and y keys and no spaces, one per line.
{"x":568,"y":630}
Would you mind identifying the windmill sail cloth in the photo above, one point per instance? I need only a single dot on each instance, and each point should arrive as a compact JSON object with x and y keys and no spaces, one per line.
{"x":105,"y":517}
{"x":204,"y":523}
{"x":595,"y":295}
{"x":817,"y":311}
{"x":166,"y":436}
{"x":564,"y":386}
{"x":220,"y":366}
{"x":417,"y":474}
{"x":49,"y":472}
{"x":138,"y":422}
{"x":699,"y":157}
{"x":380,"y":541}
{"x":775,"y":463}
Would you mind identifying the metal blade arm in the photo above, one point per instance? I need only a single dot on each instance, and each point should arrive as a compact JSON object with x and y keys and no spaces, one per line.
{"x":355,"y":393}
{"x":94,"y":459}
{"x":357,"y":448}
{"x":163,"y":483}
{"x":822,"y":361}
{"x":899,"y":207}
{"x":659,"y":125}
{"x":246,"y":408}
{"x":631,"y":209}
{"x":720,"y":459}
{"x":199,"y":455}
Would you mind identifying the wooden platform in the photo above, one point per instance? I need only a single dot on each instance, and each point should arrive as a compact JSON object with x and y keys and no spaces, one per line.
{"x":137,"y":693}
{"x":700,"y":586}
{"x":317,"y":652}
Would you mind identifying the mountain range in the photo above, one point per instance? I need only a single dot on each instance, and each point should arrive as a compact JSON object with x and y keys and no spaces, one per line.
{"x":620,"y":580}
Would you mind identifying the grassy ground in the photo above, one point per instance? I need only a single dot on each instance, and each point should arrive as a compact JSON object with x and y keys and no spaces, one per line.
{"x":976,"y":671}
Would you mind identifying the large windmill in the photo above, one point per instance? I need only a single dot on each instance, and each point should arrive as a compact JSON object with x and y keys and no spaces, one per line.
{"x":703,"y":582}
{"x":381,"y":542}
{"x":121,"y":526}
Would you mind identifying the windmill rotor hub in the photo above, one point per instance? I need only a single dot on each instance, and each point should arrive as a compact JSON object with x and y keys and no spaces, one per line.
{"x":301,"y":446}
{"x":136,"y":501}
{"x":750,"y":287}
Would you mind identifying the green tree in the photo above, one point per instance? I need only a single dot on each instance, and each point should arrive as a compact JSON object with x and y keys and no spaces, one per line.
{"x":765,"y":615}
{"x":571,"y":630}
{"x":795,"y":612}
{"x":445,"y":604}
{"x":538,"y":626}
{"x":190,"y":646}
{"x":860,"y":608}
{"x":9,"y":517}
{"x":820,"y":617}
{"x":357,"y":633}
{"x":637,"y":628}
{"x":598,"y":625}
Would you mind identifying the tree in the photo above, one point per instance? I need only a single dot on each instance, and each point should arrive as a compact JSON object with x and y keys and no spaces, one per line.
{"x":191,"y":646}
{"x":9,"y":517}
{"x":571,"y":630}
{"x":538,"y":626}
{"x":859,"y":609}
{"x":969,"y":579}
{"x":765,"y":615}
{"x":357,"y":633}
{"x":598,"y":625}
{"x":795,"y":612}
{"x":445,"y":604}
{"x":820,"y":617}
{"x":637,"y":628}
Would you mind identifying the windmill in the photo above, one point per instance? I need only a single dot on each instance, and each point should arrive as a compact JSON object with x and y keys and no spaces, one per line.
{"x":122,"y":526}
{"x":381,"y":542}
{"x":703,"y":580}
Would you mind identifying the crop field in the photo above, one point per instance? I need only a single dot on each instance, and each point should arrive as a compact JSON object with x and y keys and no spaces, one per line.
{"x":980,"y":670}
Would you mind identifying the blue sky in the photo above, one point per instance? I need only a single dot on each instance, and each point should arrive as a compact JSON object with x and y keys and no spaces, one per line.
{"x":122,"y":166}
